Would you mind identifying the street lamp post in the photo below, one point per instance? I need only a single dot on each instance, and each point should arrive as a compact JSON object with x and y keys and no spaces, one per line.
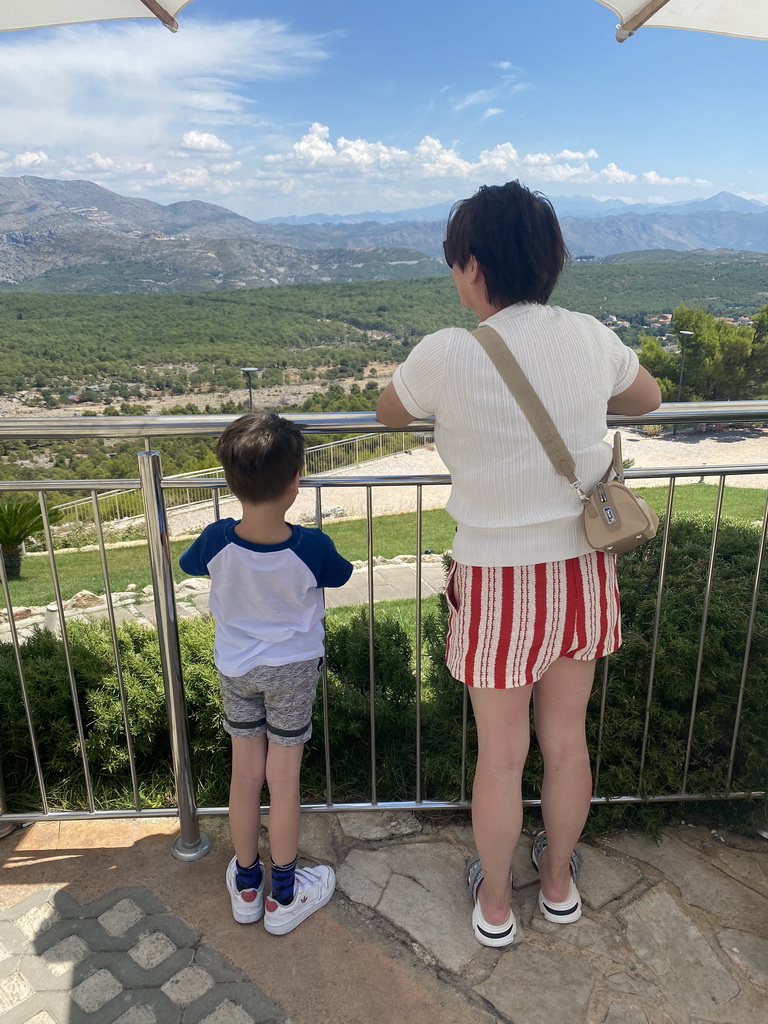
{"x":248,"y":370}
{"x":682,"y":335}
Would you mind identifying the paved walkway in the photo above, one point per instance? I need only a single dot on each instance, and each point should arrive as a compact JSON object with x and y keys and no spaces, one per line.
{"x":98,"y":923}
{"x":392,"y":579}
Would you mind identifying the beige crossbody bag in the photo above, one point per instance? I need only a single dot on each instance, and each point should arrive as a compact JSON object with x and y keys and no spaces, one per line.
{"x":615,"y":518}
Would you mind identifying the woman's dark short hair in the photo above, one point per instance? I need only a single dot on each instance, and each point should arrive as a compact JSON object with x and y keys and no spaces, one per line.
{"x":261,"y":453}
{"x":514,"y":235}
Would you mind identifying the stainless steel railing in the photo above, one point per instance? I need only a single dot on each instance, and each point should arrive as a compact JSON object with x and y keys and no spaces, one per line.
{"x":192,"y":843}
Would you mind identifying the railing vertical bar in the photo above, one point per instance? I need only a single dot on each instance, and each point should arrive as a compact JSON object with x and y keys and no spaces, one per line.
{"x":23,"y":683}
{"x":703,"y":630}
{"x":191,"y":844}
{"x":419,"y":497}
{"x":603,"y":694}
{"x":8,"y":827}
{"x":655,"y":635}
{"x":115,"y":647}
{"x":324,"y":677}
{"x":464,"y":720}
{"x":216,"y":504}
{"x":67,"y":653}
{"x":371,"y":640}
{"x":747,"y":647}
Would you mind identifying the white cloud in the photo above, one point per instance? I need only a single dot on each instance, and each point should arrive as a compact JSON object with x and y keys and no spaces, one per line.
{"x":569,"y":154}
{"x":492,"y":112}
{"x":613,"y":175}
{"x":126,"y":86}
{"x":93,"y":163}
{"x":235,"y":165}
{"x":185,"y":179}
{"x":316,"y":155}
{"x":30,"y":159}
{"x":473,"y":98}
{"x":652,"y":178}
{"x":509,"y":84}
{"x":205,"y":141}
{"x":314,"y":150}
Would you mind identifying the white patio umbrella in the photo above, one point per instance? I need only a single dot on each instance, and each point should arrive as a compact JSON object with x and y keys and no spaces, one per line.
{"x":747,"y":18}
{"x":19,"y":14}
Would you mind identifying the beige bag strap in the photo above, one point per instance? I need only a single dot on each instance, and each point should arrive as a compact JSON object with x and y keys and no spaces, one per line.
{"x":531,"y":405}
{"x":529,"y":402}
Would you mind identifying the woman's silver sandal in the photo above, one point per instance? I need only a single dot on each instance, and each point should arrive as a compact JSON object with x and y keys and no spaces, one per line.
{"x":485,"y":933}
{"x":569,"y":910}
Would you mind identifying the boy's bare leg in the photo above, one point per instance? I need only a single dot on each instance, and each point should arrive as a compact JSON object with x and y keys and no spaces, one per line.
{"x":249,"y":759}
{"x":497,"y":809}
{"x":560,"y":701}
{"x":283,"y":768}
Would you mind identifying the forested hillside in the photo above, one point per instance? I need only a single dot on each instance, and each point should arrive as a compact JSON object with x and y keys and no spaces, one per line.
{"x":134,"y":345}
{"x":182,"y":343}
{"x":640,"y":283}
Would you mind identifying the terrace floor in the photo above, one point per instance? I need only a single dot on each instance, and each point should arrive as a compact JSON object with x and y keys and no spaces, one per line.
{"x":98,"y":922}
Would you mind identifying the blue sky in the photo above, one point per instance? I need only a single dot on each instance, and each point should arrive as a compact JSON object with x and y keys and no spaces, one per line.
{"x":304,"y":106}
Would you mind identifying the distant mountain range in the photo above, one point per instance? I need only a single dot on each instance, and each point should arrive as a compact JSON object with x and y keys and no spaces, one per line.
{"x":78,"y":236}
{"x":565,"y":206}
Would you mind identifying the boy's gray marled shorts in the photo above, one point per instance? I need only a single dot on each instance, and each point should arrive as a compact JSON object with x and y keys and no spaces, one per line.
{"x":272,"y":699}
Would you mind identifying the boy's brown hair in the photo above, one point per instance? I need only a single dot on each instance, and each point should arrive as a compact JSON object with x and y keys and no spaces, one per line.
{"x":260,"y":453}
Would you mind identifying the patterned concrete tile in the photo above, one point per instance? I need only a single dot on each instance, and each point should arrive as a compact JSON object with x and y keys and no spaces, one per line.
{"x":122,"y":959}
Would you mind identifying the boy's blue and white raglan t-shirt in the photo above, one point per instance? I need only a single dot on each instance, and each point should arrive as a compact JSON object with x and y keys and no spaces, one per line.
{"x":266,"y":599}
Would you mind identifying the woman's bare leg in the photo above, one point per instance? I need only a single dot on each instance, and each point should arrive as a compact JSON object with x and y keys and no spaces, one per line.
{"x":503,"y":735}
{"x":560,"y":701}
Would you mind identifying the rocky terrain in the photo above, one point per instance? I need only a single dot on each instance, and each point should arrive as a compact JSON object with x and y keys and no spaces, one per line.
{"x":78,"y":236}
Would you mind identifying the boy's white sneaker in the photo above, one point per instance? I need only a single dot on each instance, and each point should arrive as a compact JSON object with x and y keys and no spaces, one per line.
{"x":313,"y":889}
{"x":247,"y":904}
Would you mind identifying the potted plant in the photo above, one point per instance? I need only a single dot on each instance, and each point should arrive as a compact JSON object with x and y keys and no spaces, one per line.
{"x":20,"y":518}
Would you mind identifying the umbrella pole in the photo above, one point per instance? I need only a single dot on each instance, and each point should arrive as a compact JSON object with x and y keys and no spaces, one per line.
{"x":631,"y":25}
{"x":163,"y":15}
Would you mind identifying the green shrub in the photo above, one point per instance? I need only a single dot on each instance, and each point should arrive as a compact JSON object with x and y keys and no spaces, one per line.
{"x":349,"y":711}
{"x":20,"y":519}
{"x":722,"y":657}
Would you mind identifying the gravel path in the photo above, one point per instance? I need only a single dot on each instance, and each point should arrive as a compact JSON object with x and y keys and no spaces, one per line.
{"x":739,"y":446}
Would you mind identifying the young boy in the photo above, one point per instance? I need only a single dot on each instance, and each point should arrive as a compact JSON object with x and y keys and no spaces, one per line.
{"x":266,"y":597}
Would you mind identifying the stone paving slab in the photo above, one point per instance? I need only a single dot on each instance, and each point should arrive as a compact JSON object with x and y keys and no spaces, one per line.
{"x":703,"y":877}
{"x":641,"y":953}
{"x":121,"y":958}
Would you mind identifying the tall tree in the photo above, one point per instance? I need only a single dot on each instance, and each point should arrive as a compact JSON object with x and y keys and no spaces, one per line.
{"x":719,"y":361}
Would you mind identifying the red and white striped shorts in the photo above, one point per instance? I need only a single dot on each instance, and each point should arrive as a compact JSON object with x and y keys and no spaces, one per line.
{"x":508,"y":624}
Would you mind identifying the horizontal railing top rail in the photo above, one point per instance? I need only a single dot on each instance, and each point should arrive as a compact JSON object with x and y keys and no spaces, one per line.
{"x":23,"y":427}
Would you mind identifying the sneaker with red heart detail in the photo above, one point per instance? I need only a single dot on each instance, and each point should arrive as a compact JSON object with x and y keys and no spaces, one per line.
{"x":312,"y":890}
{"x":247,"y":904}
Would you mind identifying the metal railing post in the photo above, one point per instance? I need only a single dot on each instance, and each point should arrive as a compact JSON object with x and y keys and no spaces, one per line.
{"x":191,"y":844}
{"x":8,"y":826}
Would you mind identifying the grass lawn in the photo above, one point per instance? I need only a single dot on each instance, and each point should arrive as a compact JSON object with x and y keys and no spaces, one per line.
{"x":392,"y":535}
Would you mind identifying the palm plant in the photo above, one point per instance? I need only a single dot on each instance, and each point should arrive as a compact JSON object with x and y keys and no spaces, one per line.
{"x":20,"y":518}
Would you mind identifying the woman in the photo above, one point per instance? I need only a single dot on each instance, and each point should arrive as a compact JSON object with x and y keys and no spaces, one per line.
{"x":531,"y":604}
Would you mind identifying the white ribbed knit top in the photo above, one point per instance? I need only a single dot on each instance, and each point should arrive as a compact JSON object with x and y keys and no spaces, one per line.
{"x":510,"y":506}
